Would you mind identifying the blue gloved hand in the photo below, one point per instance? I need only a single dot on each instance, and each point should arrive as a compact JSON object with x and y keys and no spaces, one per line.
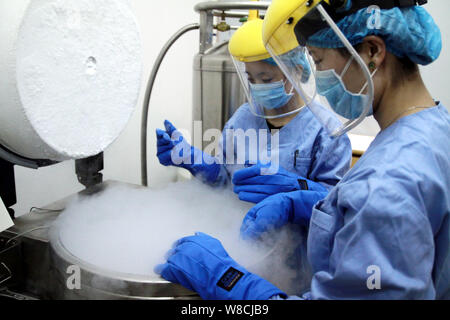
{"x":200,"y":263}
{"x":279,"y":210}
{"x":173,"y":150}
{"x":253,"y":186}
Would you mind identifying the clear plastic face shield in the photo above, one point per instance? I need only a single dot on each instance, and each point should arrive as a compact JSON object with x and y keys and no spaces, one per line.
{"x":269,"y":93}
{"x":339,"y":76}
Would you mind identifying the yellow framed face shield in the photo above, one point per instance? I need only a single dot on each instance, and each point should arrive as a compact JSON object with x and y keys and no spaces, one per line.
{"x":269,"y":94}
{"x":339,"y":77}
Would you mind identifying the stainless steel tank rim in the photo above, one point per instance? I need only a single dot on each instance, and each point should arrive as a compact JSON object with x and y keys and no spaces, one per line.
{"x":99,"y":292}
{"x":100,"y":281}
{"x":96,"y":270}
{"x":215,"y":48}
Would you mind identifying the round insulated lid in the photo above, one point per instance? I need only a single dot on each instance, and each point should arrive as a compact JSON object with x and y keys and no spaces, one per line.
{"x":71,"y":74}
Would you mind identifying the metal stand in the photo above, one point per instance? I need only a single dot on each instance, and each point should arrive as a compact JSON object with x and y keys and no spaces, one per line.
{"x":8,"y":185}
{"x":87,"y":171}
{"x":8,"y":160}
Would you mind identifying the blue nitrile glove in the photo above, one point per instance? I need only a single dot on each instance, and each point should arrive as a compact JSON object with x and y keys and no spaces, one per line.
{"x":253,"y":186}
{"x":279,"y":210}
{"x":173,"y":150}
{"x":200,"y":263}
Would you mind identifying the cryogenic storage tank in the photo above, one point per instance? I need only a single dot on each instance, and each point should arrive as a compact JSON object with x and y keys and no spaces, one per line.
{"x":217,"y":89}
{"x":70,"y":75}
{"x":97,"y":283}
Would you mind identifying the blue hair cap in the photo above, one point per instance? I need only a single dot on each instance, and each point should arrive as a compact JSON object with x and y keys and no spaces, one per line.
{"x":408,"y":32}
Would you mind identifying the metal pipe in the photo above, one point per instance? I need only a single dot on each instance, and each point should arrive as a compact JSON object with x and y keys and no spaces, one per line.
{"x":206,"y":31}
{"x":9,"y":271}
{"x":232,"y":14}
{"x":244,"y":5}
{"x":148,"y":93}
{"x":25,"y":232}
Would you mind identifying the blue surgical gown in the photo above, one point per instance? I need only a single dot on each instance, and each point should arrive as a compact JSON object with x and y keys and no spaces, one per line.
{"x":388,"y":218}
{"x":305,"y":148}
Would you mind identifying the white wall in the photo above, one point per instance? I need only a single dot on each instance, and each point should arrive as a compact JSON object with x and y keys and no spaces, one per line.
{"x":437,"y":75}
{"x":172,"y":100}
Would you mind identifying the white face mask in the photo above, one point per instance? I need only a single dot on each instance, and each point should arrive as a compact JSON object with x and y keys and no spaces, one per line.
{"x":343,"y":102}
{"x":271,"y":95}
